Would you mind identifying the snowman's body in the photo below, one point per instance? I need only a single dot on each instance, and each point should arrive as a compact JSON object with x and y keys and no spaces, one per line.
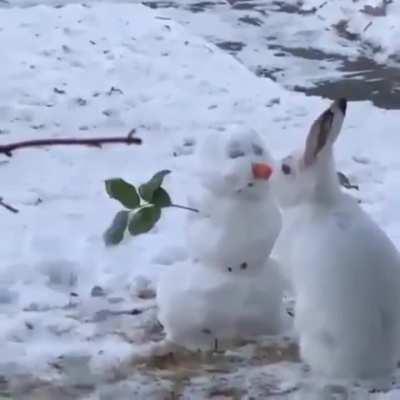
{"x":234,"y":234}
{"x":230,"y":289}
{"x":201,"y":306}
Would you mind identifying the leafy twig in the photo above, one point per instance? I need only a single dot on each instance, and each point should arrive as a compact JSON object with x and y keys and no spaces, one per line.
{"x":8,"y":207}
{"x":7,"y":149}
{"x":142,"y":206}
{"x":185,"y":207}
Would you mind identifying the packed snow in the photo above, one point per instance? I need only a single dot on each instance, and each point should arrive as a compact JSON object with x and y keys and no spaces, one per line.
{"x":72,"y":309}
{"x":229,"y":244}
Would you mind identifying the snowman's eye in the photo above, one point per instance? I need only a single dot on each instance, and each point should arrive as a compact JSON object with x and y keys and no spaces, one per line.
{"x":286,"y":169}
{"x":236,"y":153}
{"x":257,"y":150}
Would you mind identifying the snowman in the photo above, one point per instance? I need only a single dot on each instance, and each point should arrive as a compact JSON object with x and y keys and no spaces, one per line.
{"x":230,"y":289}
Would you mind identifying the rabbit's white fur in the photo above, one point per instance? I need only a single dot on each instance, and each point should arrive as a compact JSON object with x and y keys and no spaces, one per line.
{"x":344,"y":270}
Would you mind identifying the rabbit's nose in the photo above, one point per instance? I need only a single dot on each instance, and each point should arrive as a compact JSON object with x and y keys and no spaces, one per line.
{"x":261,"y":171}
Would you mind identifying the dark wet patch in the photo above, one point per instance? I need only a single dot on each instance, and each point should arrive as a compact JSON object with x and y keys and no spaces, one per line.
{"x":343,"y":32}
{"x":270,"y":73}
{"x":247,"y":19}
{"x":202,"y":6}
{"x":358,"y":80}
{"x":283,"y":6}
{"x":246,"y":5}
{"x":231,"y":46}
{"x":307,"y":53}
{"x":161,"y":4}
{"x":363,"y":79}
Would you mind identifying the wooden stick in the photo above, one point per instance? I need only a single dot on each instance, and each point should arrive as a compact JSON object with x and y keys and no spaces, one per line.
{"x":8,"y":149}
{"x":8,"y":207}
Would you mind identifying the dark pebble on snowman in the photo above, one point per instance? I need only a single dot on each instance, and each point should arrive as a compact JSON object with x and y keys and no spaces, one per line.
{"x":243,"y":265}
{"x":97,"y":291}
{"x":229,"y":269}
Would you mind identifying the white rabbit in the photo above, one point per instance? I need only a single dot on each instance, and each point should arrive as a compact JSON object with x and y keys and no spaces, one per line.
{"x":344,"y":270}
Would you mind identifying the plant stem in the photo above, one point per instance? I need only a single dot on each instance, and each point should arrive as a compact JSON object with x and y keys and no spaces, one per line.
{"x":185,"y":208}
{"x":7,"y":149}
{"x":8,"y":207}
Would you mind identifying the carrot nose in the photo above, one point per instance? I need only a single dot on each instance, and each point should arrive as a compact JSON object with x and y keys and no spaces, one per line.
{"x":261,"y":171}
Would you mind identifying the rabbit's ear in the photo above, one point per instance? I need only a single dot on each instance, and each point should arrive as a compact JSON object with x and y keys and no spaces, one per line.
{"x":325,"y":130}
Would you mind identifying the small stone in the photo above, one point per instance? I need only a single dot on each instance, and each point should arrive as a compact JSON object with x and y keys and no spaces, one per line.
{"x":58,"y":91}
{"x":114,"y":90}
{"x":29,"y":325}
{"x":243,"y":265}
{"x":81,"y":102}
{"x":97,"y":291}
{"x":108,"y":112}
{"x":189,"y":141}
{"x":66,"y":49}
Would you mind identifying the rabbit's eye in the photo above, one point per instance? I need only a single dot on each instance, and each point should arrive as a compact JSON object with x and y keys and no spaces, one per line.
{"x":286,"y":169}
{"x":257,"y":150}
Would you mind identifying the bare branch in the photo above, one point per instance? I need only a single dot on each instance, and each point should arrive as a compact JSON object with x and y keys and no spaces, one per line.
{"x":8,"y":207}
{"x":8,"y":149}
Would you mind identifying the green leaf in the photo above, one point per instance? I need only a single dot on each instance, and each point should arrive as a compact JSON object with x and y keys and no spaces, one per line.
{"x":147,"y":189}
{"x":144,"y":219}
{"x":161,"y":198}
{"x":115,"y":233}
{"x":124,"y":192}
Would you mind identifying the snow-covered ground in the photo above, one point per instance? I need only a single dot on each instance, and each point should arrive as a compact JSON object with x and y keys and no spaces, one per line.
{"x":102,"y":69}
{"x":314,"y":39}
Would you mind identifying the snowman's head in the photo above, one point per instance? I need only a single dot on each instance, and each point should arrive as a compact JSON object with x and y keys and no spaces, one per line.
{"x":235,"y":163}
